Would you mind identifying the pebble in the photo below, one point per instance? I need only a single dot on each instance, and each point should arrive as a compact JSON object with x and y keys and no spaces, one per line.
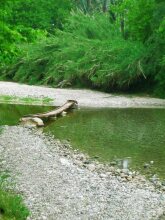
{"x":55,"y":187}
{"x":146,"y":165}
{"x":102,"y":175}
{"x":163,"y":188}
{"x":91,"y":167}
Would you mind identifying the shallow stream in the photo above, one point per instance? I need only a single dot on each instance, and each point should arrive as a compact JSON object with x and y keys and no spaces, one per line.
{"x":128,"y":137}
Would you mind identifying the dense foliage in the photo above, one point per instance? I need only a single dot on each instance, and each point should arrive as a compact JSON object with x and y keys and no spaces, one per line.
{"x":105,"y":44}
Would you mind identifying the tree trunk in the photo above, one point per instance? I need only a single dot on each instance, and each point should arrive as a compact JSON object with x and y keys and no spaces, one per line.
{"x":122,"y":25}
{"x":105,"y":6}
{"x":88,"y":5}
{"x":70,"y":104}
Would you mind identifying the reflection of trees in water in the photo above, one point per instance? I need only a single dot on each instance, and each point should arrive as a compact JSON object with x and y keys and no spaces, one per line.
{"x":116,"y":134}
{"x":10,"y":114}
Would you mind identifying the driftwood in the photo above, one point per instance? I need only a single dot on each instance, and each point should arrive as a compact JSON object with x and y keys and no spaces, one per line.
{"x":37,"y":119}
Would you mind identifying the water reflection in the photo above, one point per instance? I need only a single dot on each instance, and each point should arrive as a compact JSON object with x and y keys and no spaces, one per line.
{"x":130,"y":137}
{"x":137,"y":136}
{"x":124,"y":163}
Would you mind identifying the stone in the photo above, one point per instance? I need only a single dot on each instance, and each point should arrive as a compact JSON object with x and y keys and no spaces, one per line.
{"x":146,"y":165}
{"x":65,"y":162}
{"x":112,"y":169}
{"x":32,"y":121}
{"x":64,"y":113}
{"x":118,"y":171}
{"x":122,"y":175}
{"x":126,"y":171}
{"x":163,"y":183}
{"x":163,"y":188}
{"x":102,"y":175}
{"x":129,"y":178}
{"x":87,"y":162}
{"x":91,"y":167}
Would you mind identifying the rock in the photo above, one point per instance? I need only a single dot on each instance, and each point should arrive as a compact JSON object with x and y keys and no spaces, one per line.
{"x":130,"y":173}
{"x":102,"y":175}
{"x":122,"y":175}
{"x":126,"y":171}
{"x":112,"y":169}
{"x":80,"y":157}
{"x":64,"y":113}
{"x":87,"y":162}
{"x":163,"y":183}
{"x":28,"y":121}
{"x":118,"y":171}
{"x":65,"y":162}
{"x":163,"y":188}
{"x":158,"y":184}
{"x":129,"y":178}
{"x":91,"y":167}
{"x":146,"y":165}
{"x":78,"y":162}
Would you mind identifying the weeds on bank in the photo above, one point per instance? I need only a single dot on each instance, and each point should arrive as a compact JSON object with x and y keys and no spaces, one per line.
{"x":11,"y":204}
{"x":25,"y":100}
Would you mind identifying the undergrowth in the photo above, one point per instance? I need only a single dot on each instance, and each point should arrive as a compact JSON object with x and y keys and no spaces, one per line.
{"x":96,"y":58}
{"x":91,"y":52}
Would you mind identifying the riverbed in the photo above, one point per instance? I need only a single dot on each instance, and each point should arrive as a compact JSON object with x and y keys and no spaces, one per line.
{"x":94,"y":173}
{"x":130,"y":137}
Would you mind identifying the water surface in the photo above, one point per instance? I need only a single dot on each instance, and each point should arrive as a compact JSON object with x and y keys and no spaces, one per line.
{"x":10,"y":114}
{"x":134,"y":135}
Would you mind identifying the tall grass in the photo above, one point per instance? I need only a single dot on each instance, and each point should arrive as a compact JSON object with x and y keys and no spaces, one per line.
{"x":89,"y":52}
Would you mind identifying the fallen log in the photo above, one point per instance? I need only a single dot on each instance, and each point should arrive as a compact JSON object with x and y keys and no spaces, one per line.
{"x":37,"y":119}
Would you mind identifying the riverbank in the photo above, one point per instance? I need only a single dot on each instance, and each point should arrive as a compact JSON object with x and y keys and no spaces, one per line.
{"x":85,"y":98}
{"x":59,"y":183}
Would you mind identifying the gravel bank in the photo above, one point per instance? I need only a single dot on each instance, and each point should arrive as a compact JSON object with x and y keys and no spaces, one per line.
{"x":57,"y":187}
{"x":85,"y":98}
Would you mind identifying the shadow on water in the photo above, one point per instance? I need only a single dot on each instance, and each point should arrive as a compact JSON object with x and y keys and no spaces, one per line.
{"x":132,"y":137}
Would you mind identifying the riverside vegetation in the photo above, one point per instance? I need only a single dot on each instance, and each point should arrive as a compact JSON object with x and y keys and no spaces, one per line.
{"x":112,"y":45}
{"x":11,"y":204}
